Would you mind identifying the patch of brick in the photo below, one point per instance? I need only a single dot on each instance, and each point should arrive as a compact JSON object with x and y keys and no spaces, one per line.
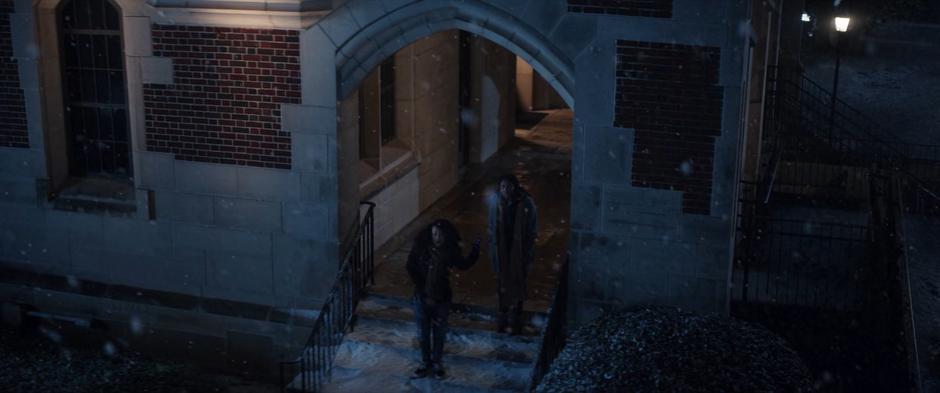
{"x":224,"y":103}
{"x":13,"y":128}
{"x":647,"y":8}
{"x":669,"y":94}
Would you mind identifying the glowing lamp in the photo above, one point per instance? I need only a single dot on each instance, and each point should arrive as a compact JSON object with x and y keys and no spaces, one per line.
{"x":842,"y":24}
{"x":805,"y":17}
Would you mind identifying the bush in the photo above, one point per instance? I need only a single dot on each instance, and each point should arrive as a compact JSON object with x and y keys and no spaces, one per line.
{"x":661,"y":349}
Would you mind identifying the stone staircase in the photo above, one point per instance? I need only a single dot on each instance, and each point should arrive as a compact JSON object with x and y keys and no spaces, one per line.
{"x":381,"y":351}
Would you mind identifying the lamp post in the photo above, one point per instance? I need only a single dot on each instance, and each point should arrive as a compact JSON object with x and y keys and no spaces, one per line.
{"x":842,"y":25}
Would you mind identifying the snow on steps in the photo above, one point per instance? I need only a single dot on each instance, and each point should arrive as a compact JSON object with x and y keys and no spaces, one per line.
{"x":360,"y":366}
{"x":381,"y":351}
{"x":385,"y":307}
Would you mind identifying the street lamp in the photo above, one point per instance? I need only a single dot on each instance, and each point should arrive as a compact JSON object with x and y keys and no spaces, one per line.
{"x":842,"y":25}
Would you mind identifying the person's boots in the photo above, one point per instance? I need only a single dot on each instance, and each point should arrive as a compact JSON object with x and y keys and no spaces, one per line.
{"x":516,"y":325}
{"x":439,"y":370}
{"x":422,"y":371}
{"x":502,"y":322}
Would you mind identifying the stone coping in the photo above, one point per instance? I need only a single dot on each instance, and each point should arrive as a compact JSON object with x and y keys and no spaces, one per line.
{"x":253,"y":5}
{"x":52,"y":282}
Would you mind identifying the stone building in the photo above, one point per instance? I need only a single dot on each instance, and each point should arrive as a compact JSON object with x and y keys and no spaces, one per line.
{"x":198,"y":164}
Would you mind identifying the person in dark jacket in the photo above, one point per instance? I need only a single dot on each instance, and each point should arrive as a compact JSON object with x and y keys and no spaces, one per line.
{"x":512,"y":233}
{"x":435,"y":251}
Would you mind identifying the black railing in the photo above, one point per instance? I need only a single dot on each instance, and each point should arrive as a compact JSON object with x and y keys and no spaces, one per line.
{"x":905,"y":305}
{"x":312,"y":368}
{"x":793,"y":262}
{"x":554,"y":334}
{"x":805,"y":125}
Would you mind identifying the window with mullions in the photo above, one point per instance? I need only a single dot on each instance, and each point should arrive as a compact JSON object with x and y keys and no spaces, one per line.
{"x":94,"y":89}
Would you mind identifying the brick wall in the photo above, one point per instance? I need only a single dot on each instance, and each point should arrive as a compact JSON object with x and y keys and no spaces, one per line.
{"x":650,"y":8}
{"x":670,"y":95}
{"x":223,"y":106}
{"x":13,"y":132}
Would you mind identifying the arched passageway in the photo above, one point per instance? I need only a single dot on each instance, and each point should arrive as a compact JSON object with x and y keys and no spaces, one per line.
{"x":427,"y":121}
{"x":402,"y":170}
{"x":437,"y":123}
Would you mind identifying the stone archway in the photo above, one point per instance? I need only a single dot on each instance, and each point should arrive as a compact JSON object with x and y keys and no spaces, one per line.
{"x":344,"y":46}
{"x":385,"y":35}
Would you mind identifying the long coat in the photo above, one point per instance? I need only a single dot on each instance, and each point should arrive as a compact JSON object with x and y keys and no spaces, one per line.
{"x":527,"y":243}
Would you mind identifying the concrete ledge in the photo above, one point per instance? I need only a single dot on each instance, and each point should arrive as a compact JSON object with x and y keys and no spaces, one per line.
{"x":247,"y":18}
{"x":259,"y":5}
{"x":32,"y":281}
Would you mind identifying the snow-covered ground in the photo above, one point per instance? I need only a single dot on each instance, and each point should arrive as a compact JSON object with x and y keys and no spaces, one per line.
{"x":920,"y":236}
{"x":900,"y":90}
{"x":381,"y":351}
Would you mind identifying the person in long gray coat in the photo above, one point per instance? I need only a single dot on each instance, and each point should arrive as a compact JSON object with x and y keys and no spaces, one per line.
{"x":512,"y":233}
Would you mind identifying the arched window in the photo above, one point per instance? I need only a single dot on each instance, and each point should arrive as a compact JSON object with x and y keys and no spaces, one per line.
{"x":94,"y":89}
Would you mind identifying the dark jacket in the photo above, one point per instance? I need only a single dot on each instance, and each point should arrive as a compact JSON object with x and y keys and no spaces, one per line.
{"x":429,"y":267}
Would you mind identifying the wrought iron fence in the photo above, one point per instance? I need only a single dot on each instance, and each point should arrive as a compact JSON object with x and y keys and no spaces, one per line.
{"x":806,"y":127}
{"x":312,"y":368}
{"x":788,"y":272}
{"x":791,"y":262}
{"x":554,"y":335}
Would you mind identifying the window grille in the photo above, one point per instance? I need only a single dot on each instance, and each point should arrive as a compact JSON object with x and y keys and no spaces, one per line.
{"x":94,"y":89}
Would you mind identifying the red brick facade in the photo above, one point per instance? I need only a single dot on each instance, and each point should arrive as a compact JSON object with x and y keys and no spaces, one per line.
{"x":13,"y":131}
{"x":670,"y":95}
{"x":649,"y":8}
{"x":224,"y":104}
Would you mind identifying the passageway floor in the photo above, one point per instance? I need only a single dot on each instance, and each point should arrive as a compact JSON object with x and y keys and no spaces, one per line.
{"x":540,"y":158}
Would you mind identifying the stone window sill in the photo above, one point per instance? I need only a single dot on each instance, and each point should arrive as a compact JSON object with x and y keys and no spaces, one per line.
{"x":388,"y":175}
{"x":97,"y":195}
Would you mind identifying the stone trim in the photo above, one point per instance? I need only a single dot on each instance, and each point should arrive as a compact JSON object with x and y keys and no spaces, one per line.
{"x":252,"y":5}
{"x":363,"y":45}
{"x":52,"y":282}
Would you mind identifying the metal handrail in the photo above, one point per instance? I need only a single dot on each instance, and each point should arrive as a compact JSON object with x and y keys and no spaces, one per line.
{"x":553,"y":336}
{"x":356,"y":272}
{"x":808,"y":100}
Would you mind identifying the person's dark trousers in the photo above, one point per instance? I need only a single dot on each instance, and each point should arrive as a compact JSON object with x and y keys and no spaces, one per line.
{"x":432,"y":329}
{"x":510,"y":315}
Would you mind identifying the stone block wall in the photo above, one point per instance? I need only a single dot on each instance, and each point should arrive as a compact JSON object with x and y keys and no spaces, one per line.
{"x":492,"y":98}
{"x":212,"y":233}
{"x":426,"y":88}
{"x":655,"y":160}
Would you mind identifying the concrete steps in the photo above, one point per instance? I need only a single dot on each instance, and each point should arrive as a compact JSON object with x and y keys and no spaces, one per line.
{"x":479,"y":319}
{"x":381,"y":351}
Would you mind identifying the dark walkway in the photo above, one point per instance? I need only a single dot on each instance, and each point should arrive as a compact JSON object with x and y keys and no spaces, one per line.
{"x":540,"y":157}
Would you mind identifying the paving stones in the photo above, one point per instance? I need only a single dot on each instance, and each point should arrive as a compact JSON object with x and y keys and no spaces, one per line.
{"x":659,"y":349}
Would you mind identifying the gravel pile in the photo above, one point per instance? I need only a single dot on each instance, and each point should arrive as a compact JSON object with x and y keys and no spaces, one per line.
{"x":662,"y":349}
{"x":32,"y":363}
